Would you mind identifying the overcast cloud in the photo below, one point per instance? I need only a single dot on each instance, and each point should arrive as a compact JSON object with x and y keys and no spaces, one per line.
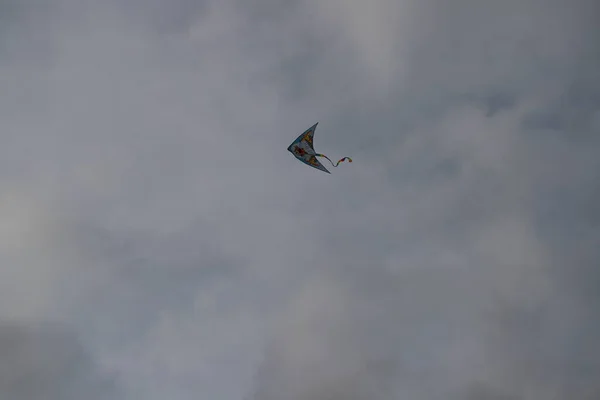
{"x":158,"y":242}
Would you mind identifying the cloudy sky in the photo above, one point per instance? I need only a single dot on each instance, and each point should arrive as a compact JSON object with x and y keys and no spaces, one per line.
{"x":159,"y":242}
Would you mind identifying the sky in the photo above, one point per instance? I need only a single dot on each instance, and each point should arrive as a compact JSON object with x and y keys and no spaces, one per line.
{"x":157,"y":241}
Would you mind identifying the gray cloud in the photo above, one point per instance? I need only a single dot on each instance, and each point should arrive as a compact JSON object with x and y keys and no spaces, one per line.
{"x":47,"y":362}
{"x":484,"y":309}
{"x":165,"y":17}
{"x":148,"y":202}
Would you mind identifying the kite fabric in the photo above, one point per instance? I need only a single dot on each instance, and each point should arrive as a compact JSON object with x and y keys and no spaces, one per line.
{"x":302,"y":149}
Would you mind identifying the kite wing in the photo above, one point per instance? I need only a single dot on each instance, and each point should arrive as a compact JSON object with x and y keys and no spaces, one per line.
{"x":302,"y":148}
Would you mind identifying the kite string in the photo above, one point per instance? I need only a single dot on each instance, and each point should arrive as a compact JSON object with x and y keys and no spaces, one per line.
{"x":336,"y":164}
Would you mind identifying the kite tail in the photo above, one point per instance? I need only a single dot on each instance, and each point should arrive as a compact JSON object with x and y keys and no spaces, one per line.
{"x":337,"y":163}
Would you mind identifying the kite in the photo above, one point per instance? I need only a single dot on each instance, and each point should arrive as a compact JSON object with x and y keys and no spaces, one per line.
{"x":302,"y":149}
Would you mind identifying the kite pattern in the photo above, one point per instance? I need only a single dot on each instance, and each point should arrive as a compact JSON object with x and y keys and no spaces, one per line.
{"x":302,"y":148}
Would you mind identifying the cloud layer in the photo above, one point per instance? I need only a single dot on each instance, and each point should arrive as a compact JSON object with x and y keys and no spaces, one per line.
{"x":47,"y":362}
{"x":149,"y":205}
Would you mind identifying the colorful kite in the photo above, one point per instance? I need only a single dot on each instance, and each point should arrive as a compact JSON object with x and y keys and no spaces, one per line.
{"x":302,"y":149}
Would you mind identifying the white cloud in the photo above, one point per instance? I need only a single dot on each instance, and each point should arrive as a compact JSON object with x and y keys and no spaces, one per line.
{"x":32,"y":255}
